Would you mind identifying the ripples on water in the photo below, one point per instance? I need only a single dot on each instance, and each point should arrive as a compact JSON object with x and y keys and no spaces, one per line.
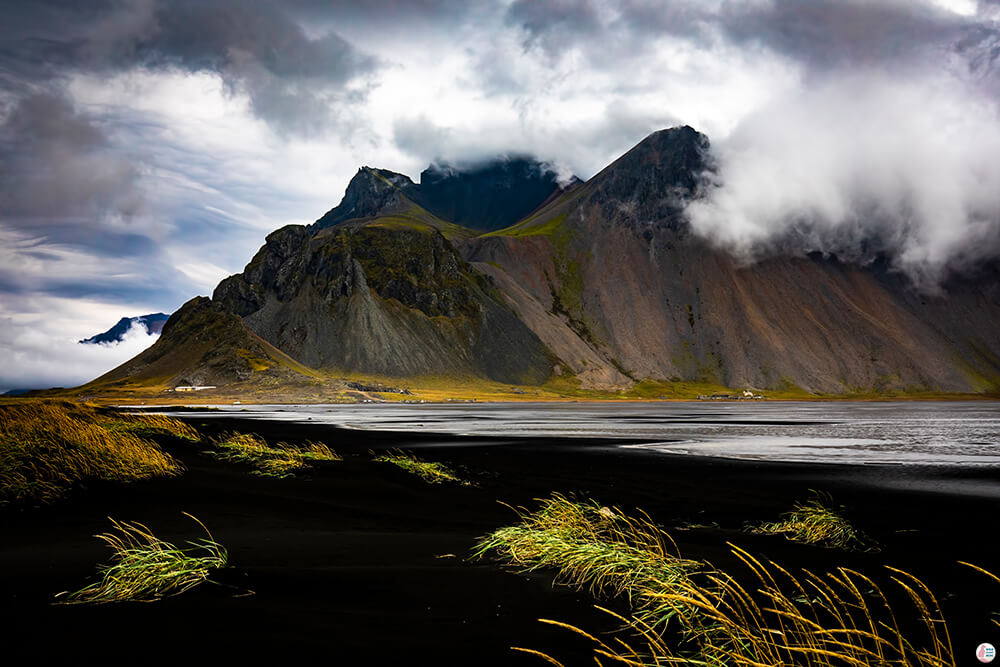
{"x":924,"y":433}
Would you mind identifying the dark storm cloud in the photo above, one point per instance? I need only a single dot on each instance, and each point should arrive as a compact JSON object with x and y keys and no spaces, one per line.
{"x":828,"y":35}
{"x":820,"y":34}
{"x":293,"y":80}
{"x":57,"y":164}
{"x":555,"y":24}
{"x":384,"y":11}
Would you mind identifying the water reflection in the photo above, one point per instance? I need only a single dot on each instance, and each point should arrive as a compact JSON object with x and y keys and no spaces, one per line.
{"x":924,"y":433}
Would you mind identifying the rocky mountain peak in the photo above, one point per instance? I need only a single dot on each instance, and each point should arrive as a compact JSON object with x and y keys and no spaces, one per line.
{"x":652,"y":182}
{"x":370,"y":193}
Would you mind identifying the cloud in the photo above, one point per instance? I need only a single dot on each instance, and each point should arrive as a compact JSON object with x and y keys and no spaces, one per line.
{"x":818,"y":34}
{"x":295,"y":81}
{"x":40,"y":349}
{"x":861,"y":165}
{"x":57,"y":164}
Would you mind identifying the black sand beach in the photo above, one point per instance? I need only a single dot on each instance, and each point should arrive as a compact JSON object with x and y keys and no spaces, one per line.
{"x":361,"y":563}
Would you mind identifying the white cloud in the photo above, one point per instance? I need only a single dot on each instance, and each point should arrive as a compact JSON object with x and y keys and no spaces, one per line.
{"x":39,"y":342}
{"x":863,"y":157}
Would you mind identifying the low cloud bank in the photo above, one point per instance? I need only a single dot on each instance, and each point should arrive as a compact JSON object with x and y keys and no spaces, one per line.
{"x":859,"y":166}
{"x":41,"y":357}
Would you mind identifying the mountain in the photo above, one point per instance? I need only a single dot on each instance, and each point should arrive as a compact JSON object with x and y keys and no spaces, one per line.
{"x":601,"y":286}
{"x":615,"y":284}
{"x":152,"y":323}
{"x":388,"y":295}
{"x":481,"y":196}
{"x":490,"y":195}
{"x":204,"y":344}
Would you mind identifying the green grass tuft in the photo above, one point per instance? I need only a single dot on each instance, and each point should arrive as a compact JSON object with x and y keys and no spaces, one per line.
{"x":151,"y":426}
{"x":281,"y":460}
{"x":819,"y":522}
{"x":144,"y":568}
{"x":590,"y":547}
{"x":430,"y":471}
{"x":688,"y":612}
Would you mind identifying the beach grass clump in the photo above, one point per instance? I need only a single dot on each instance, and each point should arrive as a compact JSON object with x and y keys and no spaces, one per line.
{"x":47,"y":447}
{"x":144,"y":568}
{"x":820,"y":522}
{"x":280,"y":460}
{"x":689,"y":612}
{"x":432,"y":472}
{"x":590,"y":547}
{"x":151,"y":426}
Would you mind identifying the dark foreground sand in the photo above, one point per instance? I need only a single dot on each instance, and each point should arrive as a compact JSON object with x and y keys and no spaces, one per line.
{"x":360,"y":563}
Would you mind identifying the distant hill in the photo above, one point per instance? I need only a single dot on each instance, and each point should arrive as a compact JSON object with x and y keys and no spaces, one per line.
{"x":17,"y":392}
{"x":153,"y":324}
{"x":600,"y":285}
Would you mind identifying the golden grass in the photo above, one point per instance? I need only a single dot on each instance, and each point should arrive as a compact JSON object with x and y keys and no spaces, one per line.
{"x":48,"y":447}
{"x":817,"y":521}
{"x":150,"y":426}
{"x":144,"y":568}
{"x":281,"y":460}
{"x":688,"y":612}
{"x":429,"y":471}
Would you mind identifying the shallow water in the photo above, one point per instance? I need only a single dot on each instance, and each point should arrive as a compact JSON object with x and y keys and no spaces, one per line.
{"x":915,"y":433}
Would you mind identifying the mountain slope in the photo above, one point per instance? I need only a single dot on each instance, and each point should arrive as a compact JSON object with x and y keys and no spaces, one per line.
{"x":204,"y":344}
{"x":386,"y":294}
{"x":615,"y":263}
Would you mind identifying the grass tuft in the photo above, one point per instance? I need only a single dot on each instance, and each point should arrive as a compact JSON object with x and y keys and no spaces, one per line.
{"x":430,"y":471}
{"x":819,"y":522}
{"x":144,"y":568}
{"x":47,"y":447}
{"x":281,"y":460}
{"x":151,"y":426}
{"x":688,"y":612}
{"x":589,"y":546}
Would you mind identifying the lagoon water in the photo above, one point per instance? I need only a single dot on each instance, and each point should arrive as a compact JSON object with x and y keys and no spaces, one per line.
{"x":915,"y":433}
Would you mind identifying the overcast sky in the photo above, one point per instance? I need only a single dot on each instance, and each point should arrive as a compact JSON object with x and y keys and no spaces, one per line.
{"x":147,"y":146}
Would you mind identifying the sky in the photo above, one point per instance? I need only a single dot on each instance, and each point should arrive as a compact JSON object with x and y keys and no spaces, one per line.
{"x":148,"y":146}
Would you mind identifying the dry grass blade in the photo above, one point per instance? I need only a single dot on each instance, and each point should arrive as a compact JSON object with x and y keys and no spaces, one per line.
{"x":687,"y":612}
{"x":549,"y":659}
{"x":144,"y":568}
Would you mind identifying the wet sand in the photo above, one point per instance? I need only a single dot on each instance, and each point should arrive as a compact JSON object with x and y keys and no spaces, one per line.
{"x":362,"y":563}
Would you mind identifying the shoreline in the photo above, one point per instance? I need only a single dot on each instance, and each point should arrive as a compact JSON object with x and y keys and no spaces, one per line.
{"x":985,"y":398}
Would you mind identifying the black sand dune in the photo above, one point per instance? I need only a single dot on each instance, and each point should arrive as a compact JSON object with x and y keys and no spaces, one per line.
{"x":360,"y":563}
